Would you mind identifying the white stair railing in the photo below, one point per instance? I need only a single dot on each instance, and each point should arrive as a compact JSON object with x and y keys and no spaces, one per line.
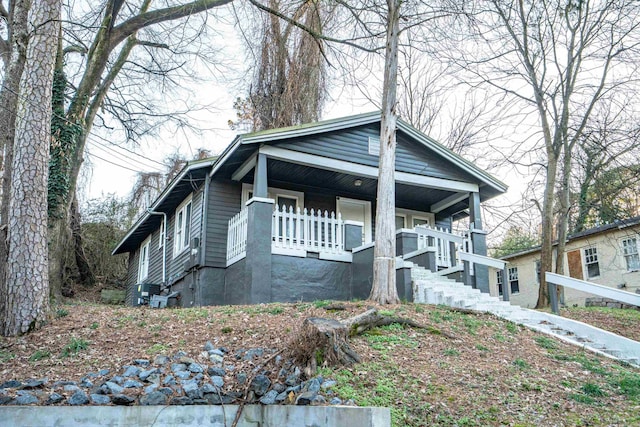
{"x":237,"y":237}
{"x":441,"y":241}
{"x":315,"y":231}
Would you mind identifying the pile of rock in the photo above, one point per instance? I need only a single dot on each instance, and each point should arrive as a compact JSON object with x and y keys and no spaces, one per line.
{"x":181,"y":380}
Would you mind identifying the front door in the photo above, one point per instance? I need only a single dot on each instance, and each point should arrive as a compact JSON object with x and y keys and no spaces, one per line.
{"x":356,"y":210}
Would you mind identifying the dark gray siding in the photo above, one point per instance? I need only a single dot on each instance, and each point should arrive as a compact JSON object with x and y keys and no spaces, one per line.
{"x":352,"y":145}
{"x":175,"y":270}
{"x":224,"y":203}
{"x":132,"y":277}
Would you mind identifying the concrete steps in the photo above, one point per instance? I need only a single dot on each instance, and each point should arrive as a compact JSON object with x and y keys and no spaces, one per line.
{"x":429,"y":288}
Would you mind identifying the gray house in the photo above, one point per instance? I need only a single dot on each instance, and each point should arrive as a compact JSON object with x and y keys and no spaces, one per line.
{"x":288,"y":215}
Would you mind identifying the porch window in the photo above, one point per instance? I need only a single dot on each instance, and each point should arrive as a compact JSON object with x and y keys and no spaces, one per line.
{"x":630,"y":252}
{"x":400,"y":222}
{"x":591,"y":262}
{"x":182,"y":233}
{"x":514,"y":284}
{"x":420,"y":221}
{"x":499,"y":280}
{"x":143,"y":260}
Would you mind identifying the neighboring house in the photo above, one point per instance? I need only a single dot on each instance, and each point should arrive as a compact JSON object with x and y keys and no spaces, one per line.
{"x":288,"y":215}
{"x":607,"y":255}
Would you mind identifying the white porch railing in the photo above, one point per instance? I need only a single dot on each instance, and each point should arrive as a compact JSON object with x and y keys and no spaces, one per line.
{"x":237,"y":237}
{"x":441,"y":239}
{"x":314,"y":231}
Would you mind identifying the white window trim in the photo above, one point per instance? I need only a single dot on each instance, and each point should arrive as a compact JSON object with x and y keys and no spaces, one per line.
{"x":410,"y":215}
{"x":624,"y":256}
{"x":273,"y":193}
{"x":177,"y":249}
{"x":143,"y":264}
{"x":585,"y":266}
{"x":373,"y":147}
{"x":367,"y":215}
{"x":404,"y":217}
{"x":517,"y":279}
{"x":161,"y":234}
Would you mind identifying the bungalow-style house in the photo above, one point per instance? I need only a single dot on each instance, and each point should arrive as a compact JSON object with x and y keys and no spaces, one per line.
{"x":288,"y":215}
{"x":606,"y":255}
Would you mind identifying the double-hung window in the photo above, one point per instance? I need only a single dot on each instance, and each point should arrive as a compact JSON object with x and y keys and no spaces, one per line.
{"x":514,"y":284}
{"x":630,"y":252}
{"x":182,"y":232}
{"x":143,"y":260}
{"x":500,"y":280}
{"x":591,"y":262}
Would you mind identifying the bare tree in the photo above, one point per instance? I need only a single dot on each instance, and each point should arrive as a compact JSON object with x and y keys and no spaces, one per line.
{"x":25,"y":296}
{"x":554,"y":58}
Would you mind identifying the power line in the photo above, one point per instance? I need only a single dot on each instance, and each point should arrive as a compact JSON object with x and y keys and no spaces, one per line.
{"x":115,"y":164}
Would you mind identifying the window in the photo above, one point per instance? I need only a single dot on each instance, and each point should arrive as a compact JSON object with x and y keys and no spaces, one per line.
{"x":374,"y":146}
{"x":400,"y":222}
{"x":513,"y":280}
{"x":182,"y":232}
{"x":143,"y":260}
{"x":499,"y":280}
{"x":630,"y":252}
{"x":537,"y":267}
{"x":420,"y":221}
{"x":591,"y":262}
{"x":161,"y":234}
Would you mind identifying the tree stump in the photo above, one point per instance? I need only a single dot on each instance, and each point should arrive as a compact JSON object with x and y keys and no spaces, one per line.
{"x":323,"y":342}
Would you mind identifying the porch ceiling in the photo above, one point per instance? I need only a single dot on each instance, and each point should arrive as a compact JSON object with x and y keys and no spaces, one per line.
{"x":292,"y":176}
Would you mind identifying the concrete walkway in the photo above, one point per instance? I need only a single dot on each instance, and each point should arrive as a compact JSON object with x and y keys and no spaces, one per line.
{"x":430,"y":288}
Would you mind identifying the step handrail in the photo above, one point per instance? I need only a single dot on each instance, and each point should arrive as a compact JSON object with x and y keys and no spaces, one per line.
{"x":554,"y":280}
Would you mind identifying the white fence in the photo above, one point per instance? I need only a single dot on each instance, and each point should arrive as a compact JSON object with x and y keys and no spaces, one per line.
{"x":314,"y":231}
{"x":441,"y":239}
{"x":237,"y":237}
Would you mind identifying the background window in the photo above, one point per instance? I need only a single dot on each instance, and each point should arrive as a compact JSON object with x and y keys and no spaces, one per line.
{"x":513,"y":280}
{"x":591,"y":262}
{"x":183,"y":228}
{"x":499,"y":280}
{"x":630,"y":250}
{"x":143,"y":261}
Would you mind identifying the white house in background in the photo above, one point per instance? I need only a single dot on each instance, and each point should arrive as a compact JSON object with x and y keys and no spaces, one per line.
{"x":607,"y":255}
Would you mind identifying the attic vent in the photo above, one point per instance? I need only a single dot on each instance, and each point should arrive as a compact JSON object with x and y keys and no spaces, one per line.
{"x":374,"y":145}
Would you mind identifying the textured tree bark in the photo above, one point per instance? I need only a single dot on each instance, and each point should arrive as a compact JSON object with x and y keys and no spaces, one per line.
{"x":27,"y":277}
{"x":14,"y":65}
{"x":383,"y":289}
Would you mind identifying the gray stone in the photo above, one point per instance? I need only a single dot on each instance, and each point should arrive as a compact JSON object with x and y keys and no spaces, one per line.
{"x":86,"y":382}
{"x":295,"y":389}
{"x":6,"y":400}
{"x":71,"y":387}
{"x":196,"y":368}
{"x":78,"y":398}
{"x":122,"y":399}
{"x":279,"y":387}
{"x":25,"y":398}
{"x":179,"y":354}
{"x":131,"y":371}
{"x":160,"y":360}
{"x":54,"y":398}
{"x":209,"y":388}
{"x":292,"y":380}
{"x":208,"y":346}
{"x":99,"y":399}
{"x":253,"y":353}
{"x":305,"y":398}
{"x":143,"y":375}
{"x":312,"y":385}
{"x":155,"y":398}
{"x":217,"y":351}
{"x":113,"y":387}
{"x":150,"y":388}
{"x":269,"y":398}
{"x":117,"y":379}
{"x":216,"y":358}
{"x":63,"y":383}
{"x":103,"y":372}
{"x":181,"y":400}
{"x":260,"y":384}
{"x":217,"y":381}
{"x":192,"y":390}
{"x":166,"y":390}
{"x":241,"y":377}
{"x":219,"y":399}
{"x":92,"y":375}
{"x":178,"y":367}
{"x":327,"y":384}
{"x":183,"y":375}
{"x":335,"y":401}
{"x":132,"y":384}
{"x":11,"y":384}
{"x":281,"y":397}
{"x":141,"y":362}
{"x":216,"y":372}
{"x":154,"y":378}
{"x":169,"y":380}
{"x":34,"y":383}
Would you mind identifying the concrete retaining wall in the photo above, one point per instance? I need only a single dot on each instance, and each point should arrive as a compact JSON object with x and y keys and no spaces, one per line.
{"x":185,"y":416}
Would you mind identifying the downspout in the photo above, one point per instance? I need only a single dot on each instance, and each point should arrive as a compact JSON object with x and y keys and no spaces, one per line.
{"x":164,"y":244}
{"x":203,"y":233}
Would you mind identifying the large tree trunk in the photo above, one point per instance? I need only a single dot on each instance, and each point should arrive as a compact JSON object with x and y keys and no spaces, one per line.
{"x":383,"y":290}
{"x":18,"y":39}
{"x":27,"y":267}
{"x":546,"y":252}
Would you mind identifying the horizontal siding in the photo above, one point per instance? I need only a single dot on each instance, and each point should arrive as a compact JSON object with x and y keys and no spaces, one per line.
{"x":224,"y":202}
{"x":175,"y":268}
{"x":353,"y":145}
{"x":132,"y":277}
